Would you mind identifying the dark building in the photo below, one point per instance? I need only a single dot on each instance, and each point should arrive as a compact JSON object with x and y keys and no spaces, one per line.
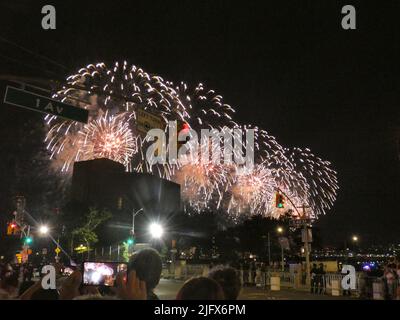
{"x":105,"y":184}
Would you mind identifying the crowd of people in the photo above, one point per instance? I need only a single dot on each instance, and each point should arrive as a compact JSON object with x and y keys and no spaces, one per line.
{"x":391,"y":274}
{"x":144,"y":273}
{"x":138,"y":283}
{"x":317,"y":278}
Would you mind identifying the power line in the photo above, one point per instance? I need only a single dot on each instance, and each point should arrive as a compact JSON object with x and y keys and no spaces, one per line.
{"x":33,"y":53}
{"x":26,"y":65}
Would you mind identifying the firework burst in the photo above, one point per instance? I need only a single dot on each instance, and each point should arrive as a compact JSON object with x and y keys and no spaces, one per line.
{"x":204,"y":108}
{"x":202,"y":185}
{"x":251,"y":192}
{"x":204,"y":182}
{"x":113,"y":96}
{"x":112,"y":91}
{"x":108,"y":137}
{"x":319,"y":185}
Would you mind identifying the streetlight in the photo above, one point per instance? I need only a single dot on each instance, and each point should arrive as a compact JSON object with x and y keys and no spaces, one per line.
{"x":134,"y":214}
{"x":280,"y":231}
{"x":131,"y":241}
{"x":355,"y":240}
{"x":43,"y":230}
{"x":156,"y":230}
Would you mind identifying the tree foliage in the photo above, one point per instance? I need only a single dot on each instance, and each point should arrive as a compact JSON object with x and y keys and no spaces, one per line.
{"x":92,"y":220}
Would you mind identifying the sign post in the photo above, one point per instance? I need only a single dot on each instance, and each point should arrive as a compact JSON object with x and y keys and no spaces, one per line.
{"x":32,"y":101}
{"x":147,"y":120}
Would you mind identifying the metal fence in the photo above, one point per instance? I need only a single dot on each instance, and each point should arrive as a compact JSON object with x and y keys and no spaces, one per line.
{"x":330,"y":283}
{"x":109,"y":253}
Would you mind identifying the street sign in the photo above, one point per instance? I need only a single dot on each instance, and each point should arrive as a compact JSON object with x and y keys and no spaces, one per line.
{"x":57,"y":250}
{"x":19,"y":258}
{"x":146,"y":121}
{"x":284,"y":242}
{"x":32,"y":101}
{"x":297,"y":223}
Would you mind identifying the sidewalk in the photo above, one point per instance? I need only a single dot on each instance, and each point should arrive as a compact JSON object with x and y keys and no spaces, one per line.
{"x":252,"y":293}
{"x":167,"y":289}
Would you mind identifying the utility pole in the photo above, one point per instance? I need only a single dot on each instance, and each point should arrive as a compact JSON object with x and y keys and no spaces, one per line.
{"x":134,"y":214}
{"x":269,"y":251}
{"x":25,"y":229}
{"x":19,"y":213}
{"x":306,"y":251}
{"x":173,"y":252}
{"x":57,"y":258}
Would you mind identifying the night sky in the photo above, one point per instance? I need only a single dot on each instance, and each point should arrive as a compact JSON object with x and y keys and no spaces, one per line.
{"x":286,"y":66}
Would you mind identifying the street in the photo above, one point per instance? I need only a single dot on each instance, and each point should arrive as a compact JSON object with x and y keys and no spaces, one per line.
{"x":167,"y":290}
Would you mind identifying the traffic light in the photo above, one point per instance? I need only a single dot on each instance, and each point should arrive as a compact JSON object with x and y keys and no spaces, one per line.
{"x":28,"y":240}
{"x":279,"y":201}
{"x":130,"y":241}
{"x":12,"y":228}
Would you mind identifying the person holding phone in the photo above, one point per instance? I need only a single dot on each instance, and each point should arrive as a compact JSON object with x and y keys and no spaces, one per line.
{"x":148,"y":266}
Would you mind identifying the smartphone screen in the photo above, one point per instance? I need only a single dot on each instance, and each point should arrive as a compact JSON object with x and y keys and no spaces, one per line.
{"x":102,"y":273}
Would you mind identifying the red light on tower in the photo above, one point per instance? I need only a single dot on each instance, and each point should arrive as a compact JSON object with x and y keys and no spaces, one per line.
{"x":183,"y":128}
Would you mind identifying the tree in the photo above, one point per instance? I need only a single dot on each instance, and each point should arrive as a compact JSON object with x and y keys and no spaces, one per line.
{"x":125,"y":251}
{"x":93,"y":219}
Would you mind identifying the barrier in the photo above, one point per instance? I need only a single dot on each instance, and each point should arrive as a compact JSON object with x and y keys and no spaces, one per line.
{"x":332,"y":282}
{"x":275,"y":283}
{"x":366,"y":287}
{"x":250,"y":277}
{"x":258,"y":280}
{"x":241,"y":274}
{"x":378,"y":290}
{"x":178,"y":272}
{"x":335,"y":287}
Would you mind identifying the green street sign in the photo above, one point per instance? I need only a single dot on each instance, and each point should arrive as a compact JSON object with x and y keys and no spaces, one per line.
{"x":32,"y":101}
